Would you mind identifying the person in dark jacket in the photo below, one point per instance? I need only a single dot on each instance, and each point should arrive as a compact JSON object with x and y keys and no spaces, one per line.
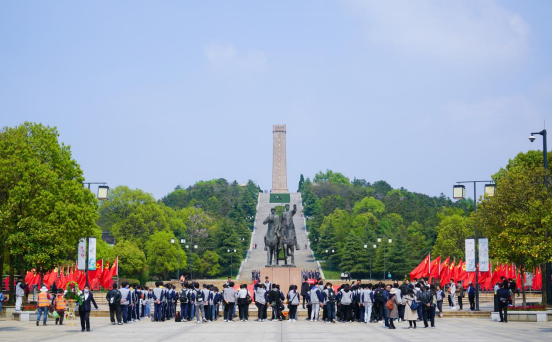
{"x":503,"y":295}
{"x":304,"y":290}
{"x":84,"y":309}
{"x":428,"y":307}
{"x":114,"y":300}
{"x":472,"y":296}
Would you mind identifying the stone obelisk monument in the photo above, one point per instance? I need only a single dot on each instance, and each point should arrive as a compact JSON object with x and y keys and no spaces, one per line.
{"x":280,"y":184}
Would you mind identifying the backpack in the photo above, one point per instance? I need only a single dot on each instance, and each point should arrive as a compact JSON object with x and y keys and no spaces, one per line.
{"x":199,"y":296}
{"x":414,"y":305}
{"x":183,"y":296}
{"x":378,"y":296}
{"x":248,"y":299}
{"x":331,"y":295}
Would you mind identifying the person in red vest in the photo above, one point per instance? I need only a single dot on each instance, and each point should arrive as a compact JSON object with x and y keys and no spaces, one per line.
{"x":60,"y":304}
{"x":43,"y":304}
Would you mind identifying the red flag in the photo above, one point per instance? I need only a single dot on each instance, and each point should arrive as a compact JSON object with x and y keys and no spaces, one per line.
{"x":51,"y":277}
{"x":447,"y":273}
{"x":457,"y":271}
{"x":538,"y":279}
{"x":422,"y":270}
{"x":115,"y":268}
{"x":98,"y":271}
{"x":435,"y":267}
{"x":105,"y":279}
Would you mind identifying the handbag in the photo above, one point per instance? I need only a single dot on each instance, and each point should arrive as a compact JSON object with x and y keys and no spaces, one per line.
{"x":389,"y":304}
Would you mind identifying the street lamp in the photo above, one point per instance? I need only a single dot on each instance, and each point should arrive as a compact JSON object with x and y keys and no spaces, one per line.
{"x":370,"y":261}
{"x":182,"y":241}
{"x":329,"y":252}
{"x":389,"y":241}
{"x":103,"y":194}
{"x":548,"y":265}
{"x":231,"y":253}
{"x":489,"y":191}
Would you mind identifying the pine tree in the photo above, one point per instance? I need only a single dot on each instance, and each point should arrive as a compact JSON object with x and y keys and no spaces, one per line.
{"x":353,"y":256}
{"x":229,"y":241}
{"x":300,"y":186}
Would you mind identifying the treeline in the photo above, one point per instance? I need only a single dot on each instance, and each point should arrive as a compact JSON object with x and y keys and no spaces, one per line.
{"x":211,"y":217}
{"x":345,"y":215}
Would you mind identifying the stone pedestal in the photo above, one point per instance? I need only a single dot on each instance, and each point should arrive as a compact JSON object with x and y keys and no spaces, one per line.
{"x":284,"y":276}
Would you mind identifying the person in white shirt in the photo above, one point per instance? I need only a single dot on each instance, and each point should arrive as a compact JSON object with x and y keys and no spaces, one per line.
{"x":243,"y":303}
{"x":452,"y":289}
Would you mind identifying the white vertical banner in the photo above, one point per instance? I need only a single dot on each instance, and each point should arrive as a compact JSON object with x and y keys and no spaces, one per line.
{"x":483,"y":255}
{"x":81,"y":258}
{"x":470,"y":258}
{"x":91,"y":254}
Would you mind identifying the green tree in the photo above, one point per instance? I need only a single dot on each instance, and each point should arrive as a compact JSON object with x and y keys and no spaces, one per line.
{"x":228,"y":241}
{"x":331,"y":177}
{"x":177,"y":199}
{"x":300,"y":185}
{"x":369,"y":205}
{"x":452,"y":232}
{"x":517,"y":219}
{"x":162,"y":254}
{"x":44,"y":208}
{"x":354,"y":256}
{"x":132,"y":260}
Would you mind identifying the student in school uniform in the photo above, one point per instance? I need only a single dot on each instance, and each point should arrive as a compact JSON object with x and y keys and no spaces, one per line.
{"x":198,"y":298}
{"x":293,"y":298}
{"x":261,"y":300}
{"x":243,"y":303}
{"x":316,"y":298}
{"x":216,"y":303}
{"x":183,"y":298}
{"x":207,"y":308}
{"x":158,"y":296}
{"x":229,"y":297}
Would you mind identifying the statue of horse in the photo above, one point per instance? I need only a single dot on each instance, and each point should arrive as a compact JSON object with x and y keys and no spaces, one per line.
{"x":288,"y":242}
{"x":272,"y":238}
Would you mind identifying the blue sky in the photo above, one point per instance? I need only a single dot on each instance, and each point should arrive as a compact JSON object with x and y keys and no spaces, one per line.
{"x":154,"y":94}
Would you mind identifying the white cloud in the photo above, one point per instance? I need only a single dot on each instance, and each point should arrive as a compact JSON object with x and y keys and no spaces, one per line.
{"x":454,"y":31}
{"x":227,"y":56}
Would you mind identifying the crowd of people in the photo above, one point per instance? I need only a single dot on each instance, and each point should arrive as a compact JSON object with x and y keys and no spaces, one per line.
{"x":417,"y":301}
{"x":256,"y":275}
{"x":310,"y":274}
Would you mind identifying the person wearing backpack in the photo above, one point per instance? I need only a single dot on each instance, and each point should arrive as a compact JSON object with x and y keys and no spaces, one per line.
{"x":114,"y":301}
{"x":330,"y":303}
{"x":304,"y":290}
{"x":197,"y":297}
{"x":293,"y":298}
{"x":184,"y":300}
{"x":411,"y":309}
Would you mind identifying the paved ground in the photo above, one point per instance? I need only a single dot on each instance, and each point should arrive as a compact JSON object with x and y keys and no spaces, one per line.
{"x":258,"y":257}
{"x":448,"y":329}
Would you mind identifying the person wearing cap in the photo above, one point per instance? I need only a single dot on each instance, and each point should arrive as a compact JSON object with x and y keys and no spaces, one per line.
{"x":85,"y":307}
{"x":60,"y":305}
{"x":43,"y":304}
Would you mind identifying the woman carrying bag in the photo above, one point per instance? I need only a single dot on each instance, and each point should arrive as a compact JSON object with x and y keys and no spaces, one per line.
{"x":411,"y":309}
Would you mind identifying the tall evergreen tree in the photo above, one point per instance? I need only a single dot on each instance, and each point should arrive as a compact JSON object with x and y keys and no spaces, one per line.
{"x":353,"y":256}
{"x":300,"y":186}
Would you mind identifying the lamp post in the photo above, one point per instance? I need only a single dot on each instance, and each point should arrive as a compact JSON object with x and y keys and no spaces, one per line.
{"x":548,"y":265}
{"x":370,"y":261}
{"x":384,"y":271}
{"x":328,"y":253}
{"x":103,"y":195}
{"x":459,"y":193}
{"x":182,"y":241}
{"x":231,"y":251}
